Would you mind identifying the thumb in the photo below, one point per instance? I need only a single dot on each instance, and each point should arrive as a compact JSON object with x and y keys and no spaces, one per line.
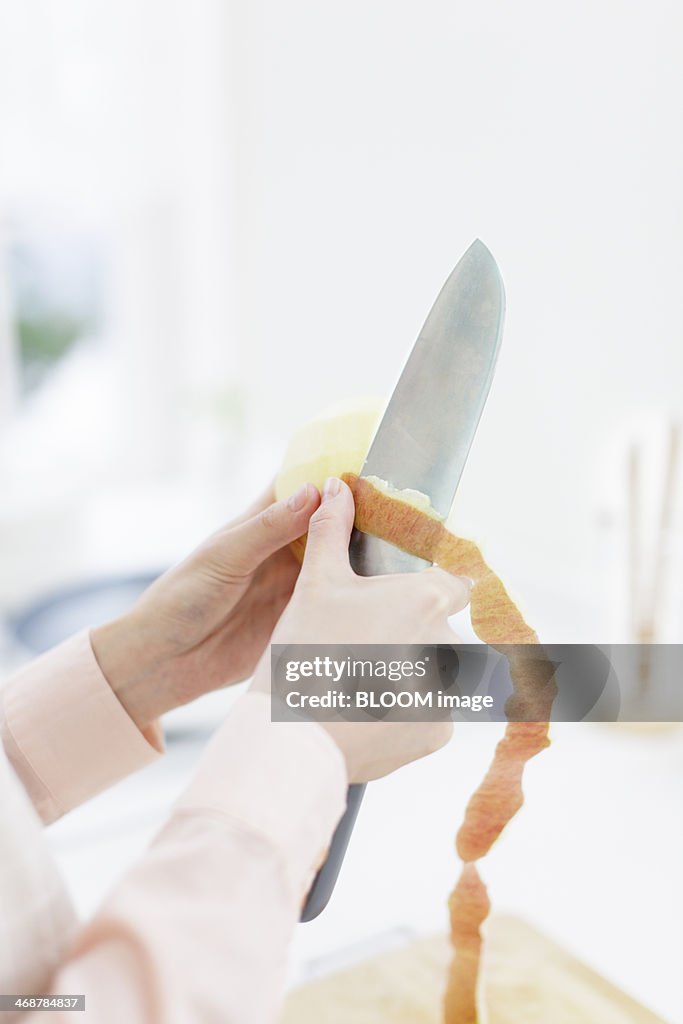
{"x":329,"y":531}
{"x":243,"y":547}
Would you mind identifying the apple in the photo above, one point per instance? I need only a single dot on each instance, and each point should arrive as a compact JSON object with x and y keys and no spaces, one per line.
{"x":335,"y":442}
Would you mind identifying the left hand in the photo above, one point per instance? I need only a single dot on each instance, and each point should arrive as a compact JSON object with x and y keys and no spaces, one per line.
{"x":206,"y":622}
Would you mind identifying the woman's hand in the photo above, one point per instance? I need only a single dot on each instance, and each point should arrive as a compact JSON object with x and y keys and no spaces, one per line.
{"x":206,"y":622}
{"x":332,"y":605}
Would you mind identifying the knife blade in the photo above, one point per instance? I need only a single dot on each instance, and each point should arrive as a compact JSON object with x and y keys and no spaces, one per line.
{"x":428,"y":427}
{"x":423,"y":442}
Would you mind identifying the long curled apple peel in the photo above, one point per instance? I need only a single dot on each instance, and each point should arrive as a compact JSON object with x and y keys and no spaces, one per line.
{"x":497,"y":621}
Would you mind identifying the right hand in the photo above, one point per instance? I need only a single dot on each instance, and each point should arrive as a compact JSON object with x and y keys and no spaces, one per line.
{"x":332,"y":605}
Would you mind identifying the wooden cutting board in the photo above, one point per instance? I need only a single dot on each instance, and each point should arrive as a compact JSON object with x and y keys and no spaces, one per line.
{"x":527,"y":979}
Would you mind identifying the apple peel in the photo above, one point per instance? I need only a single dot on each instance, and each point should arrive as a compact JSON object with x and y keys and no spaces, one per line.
{"x":496,"y":620}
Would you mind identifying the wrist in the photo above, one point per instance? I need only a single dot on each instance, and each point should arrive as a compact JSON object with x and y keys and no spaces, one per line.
{"x":336,"y":732}
{"x":341,"y":735}
{"x":133,"y":674}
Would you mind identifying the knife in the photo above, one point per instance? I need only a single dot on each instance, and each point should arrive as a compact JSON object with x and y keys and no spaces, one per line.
{"x":423,"y":442}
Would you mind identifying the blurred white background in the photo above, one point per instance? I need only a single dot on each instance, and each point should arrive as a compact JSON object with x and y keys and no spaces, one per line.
{"x":218,"y":217}
{"x":245,"y":211}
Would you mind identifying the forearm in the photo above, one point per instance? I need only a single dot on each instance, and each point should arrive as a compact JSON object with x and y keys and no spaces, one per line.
{"x":200,"y":928}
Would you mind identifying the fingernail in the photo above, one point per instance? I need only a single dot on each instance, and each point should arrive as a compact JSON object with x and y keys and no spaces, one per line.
{"x":331,"y":488}
{"x":296,"y":501}
{"x":467,"y":581}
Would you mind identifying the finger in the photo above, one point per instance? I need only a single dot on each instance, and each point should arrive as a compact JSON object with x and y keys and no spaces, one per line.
{"x":265,"y":498}
{"x":450,"y":593}
{"x":329,"y":532}
{"x":244,"y":547}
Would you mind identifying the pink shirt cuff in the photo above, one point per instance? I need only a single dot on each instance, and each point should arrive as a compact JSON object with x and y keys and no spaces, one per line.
{"x":283,"y":781}
{"x":65,"y":731}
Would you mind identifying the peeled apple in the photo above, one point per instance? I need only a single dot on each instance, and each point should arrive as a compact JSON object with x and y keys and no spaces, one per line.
{"x":336,"y":442}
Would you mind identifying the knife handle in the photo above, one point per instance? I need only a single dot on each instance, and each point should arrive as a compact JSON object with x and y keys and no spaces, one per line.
{"x":321,"y":890}
{"x":369,"y":556}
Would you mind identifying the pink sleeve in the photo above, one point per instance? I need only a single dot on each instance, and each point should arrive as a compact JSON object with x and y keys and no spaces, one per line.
{"x":200,"y":928}
{"x":66,"y":733}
